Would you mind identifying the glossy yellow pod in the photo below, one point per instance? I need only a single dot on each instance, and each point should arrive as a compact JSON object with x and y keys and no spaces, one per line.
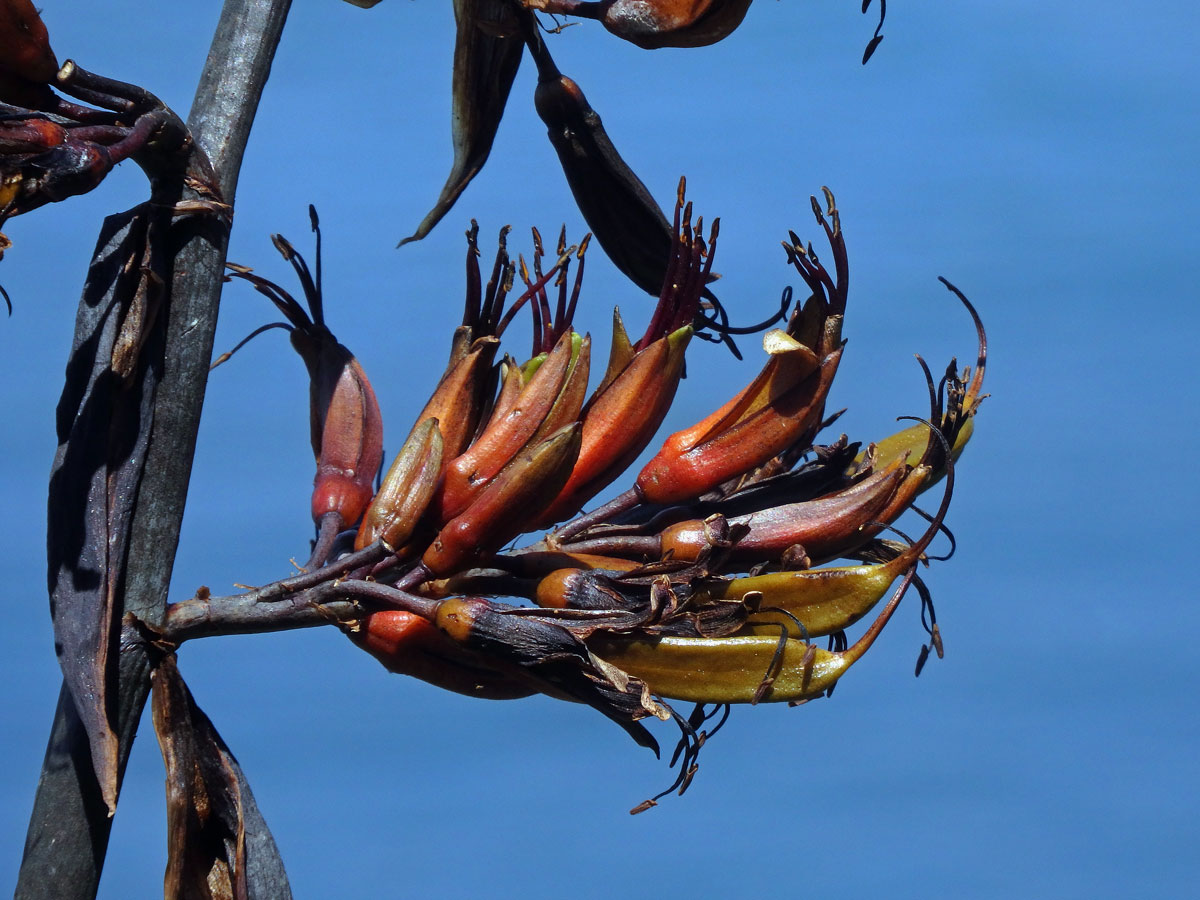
{"x":726,"y":670}
{"x":910,"y":443}
{"x":824,"y":601}
{"x":742,"y":668}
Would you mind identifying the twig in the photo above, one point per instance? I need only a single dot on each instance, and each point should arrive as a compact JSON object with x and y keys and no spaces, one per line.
{"x":331,"y":603}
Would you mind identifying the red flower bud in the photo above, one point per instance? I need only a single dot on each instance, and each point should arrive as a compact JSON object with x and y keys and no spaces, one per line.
{"x":409,"y":645}
{"x":823,"y":526}
{"x":346,"y":427}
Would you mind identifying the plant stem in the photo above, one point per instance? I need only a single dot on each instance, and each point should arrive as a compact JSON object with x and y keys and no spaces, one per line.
{"x":69,"y":829}
{"x":331,"y":603}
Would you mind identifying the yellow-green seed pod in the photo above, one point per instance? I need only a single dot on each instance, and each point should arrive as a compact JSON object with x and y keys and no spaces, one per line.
{"x":727,"y":670}
{"x":739,"y":669}
{"x":824,"y":601}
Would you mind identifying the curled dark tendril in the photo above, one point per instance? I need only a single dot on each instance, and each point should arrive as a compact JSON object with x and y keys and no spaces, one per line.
{"x":943,"y":528}
{"x":720,"y":322}
{"x":930,"y":625}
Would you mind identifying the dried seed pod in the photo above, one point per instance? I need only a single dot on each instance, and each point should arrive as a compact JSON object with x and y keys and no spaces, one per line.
{"x":487,"y":52}
{"x":616,"y":205}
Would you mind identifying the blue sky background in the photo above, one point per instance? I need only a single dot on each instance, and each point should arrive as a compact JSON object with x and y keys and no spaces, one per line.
{"x":1041,"y":156}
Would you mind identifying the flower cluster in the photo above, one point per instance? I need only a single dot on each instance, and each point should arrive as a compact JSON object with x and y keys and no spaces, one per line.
{"x":705,"y":581}
{"x":746,"y":537}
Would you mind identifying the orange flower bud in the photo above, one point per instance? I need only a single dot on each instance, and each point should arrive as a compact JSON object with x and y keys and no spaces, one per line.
{"x":783,"y":403}
{"x":509,"y":429}
{"x":507,"y":506}
{"x":406,"y":490}
{"x":458,"y":400}
{"x":621,"y":420}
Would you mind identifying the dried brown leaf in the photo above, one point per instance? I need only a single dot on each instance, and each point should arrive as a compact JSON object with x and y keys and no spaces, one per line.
{"x":219,"y":846}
